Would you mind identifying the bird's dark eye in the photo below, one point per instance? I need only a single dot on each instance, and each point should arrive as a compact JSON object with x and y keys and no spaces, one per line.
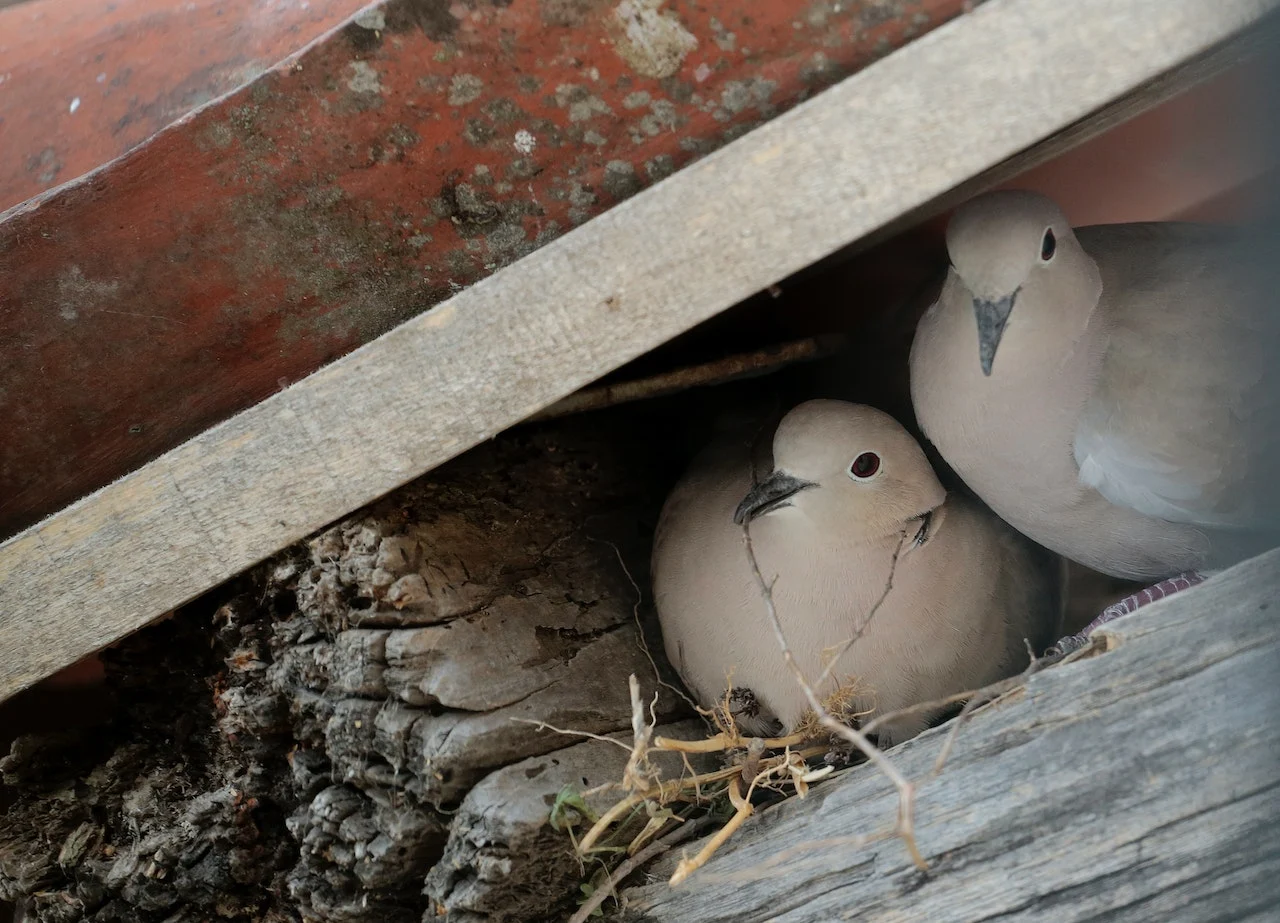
{"x":865,"y":465}
{"x":1048,"y":246}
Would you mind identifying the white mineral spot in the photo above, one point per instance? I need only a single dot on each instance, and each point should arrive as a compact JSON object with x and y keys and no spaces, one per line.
{"x":364,"y":79}
{"x":75,"y":104}
{"x":651,"y":39}
{"x":374,"y":18}
{"x":525,"y":142}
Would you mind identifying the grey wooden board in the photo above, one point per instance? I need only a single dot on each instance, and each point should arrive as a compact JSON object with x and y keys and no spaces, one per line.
{"x":1151,"y":94}
{"x":1141,"y":784}
{"x":900,"y":133}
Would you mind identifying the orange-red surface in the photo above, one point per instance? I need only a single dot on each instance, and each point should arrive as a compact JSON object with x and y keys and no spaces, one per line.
{"x":83,"y":82}
{"x":405,"y":156}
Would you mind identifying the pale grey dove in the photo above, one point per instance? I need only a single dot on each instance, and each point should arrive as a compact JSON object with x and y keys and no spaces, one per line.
{"x":1113,"y":391}
{"x":848,"y":487}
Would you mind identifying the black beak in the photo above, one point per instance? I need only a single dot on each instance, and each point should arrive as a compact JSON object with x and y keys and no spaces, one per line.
{"x":992,"y":316}
{"x":770,"y":494}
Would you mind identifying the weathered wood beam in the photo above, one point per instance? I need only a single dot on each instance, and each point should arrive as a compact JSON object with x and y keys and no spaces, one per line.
{"x":887,"y":140}
{"x":1161,"y":89}
{"x":399,"y":158}
{"x":1141,"y":784}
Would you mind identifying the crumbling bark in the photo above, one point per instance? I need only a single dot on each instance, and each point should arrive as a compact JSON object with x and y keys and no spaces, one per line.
{"x":502,"y":856}
{"x":303,"y":746}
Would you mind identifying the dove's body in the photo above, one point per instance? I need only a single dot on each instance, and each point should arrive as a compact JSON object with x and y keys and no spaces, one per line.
{"x":963,"y":599}
{"x":1131,"y":417}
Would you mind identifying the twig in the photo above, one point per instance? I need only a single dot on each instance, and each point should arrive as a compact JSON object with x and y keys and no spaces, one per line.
{"x":742,"y":811}
{"x":905,"y":827}
{"x":857,"y":635}
{"x":664,"y":791}
{"x":932,"y":705}
{"x":652,"y":829}
{"x":543,"y":726}
{"x":618,"y":875}
{"x":724,"y":741}
{"x":635,"y":615}
{"x":992,"y":694}
{"x":719,"y":371}
{"x":636,"y":776}
{"x":608,"y":817}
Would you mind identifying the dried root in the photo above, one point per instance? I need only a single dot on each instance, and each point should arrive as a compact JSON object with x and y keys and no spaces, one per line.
{"x":656,"y":812}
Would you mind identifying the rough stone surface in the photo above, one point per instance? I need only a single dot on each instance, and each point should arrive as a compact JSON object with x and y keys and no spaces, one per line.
{"x":502,"y":858}
{"x":312,"y":742}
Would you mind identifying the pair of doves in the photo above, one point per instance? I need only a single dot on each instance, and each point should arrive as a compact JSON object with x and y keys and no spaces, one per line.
{"x":1111,"y":393}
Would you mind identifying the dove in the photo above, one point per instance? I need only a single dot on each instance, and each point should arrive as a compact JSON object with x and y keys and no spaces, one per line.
{"x":1112,"y":391}
{"x":845,"y":503}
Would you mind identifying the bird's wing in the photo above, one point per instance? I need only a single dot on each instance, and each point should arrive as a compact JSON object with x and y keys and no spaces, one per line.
{"x":1184,"y":422}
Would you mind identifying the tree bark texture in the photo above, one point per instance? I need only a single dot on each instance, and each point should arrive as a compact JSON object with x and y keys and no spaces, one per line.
{"x":335,"y":736}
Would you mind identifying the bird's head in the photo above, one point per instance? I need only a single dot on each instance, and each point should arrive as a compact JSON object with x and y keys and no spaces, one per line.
{"x":1015,"y":255}
{"x":845,"y":470}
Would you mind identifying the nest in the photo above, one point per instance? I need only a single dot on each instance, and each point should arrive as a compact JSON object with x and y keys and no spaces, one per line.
{"x":658,"y":810}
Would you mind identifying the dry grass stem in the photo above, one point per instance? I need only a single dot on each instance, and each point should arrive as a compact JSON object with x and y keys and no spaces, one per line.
{"x":618,"y":875}
{"x":635,"y":616}
{"x":723,"y":741}
{"x":543,"y":726}
{"x":742,"y":810}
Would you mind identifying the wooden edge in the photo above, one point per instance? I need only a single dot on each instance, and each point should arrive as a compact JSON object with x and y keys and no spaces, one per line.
{"x":1155,"y":92}
{"x":1139,"y":784}
{"x":884,"y":142}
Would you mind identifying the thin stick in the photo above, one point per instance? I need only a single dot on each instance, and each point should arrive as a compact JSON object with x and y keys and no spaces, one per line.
{"x":607,"y":818}
{"x":857,"y":635}
{"x":994,"y":693}
{"x":543,"y":726}
{"x":676,"y":837}
{"x":724,"y":742}
{"x":905,"y":828}
{"x":635,"y":615}
{"x":655,"y":826}
{"x":715,"y":372}
{"x":881,"y":720}
{"x":641,"y":732}
{"x":688,"y":866}
{"x":666,"y":790}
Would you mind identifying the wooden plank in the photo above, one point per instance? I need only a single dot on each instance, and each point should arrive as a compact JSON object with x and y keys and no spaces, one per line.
{"x":1214,"y":63}
{"x":394,"y":161}
{"x":893,"y":137}
{"x":1141,"y":784}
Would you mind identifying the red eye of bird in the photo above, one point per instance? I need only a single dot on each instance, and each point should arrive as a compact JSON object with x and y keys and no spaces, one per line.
{"x":865,"y":465}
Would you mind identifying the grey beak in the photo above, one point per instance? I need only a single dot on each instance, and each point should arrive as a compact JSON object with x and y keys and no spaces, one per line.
{"x":770,"y":494}
{"x":992,"y":317}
